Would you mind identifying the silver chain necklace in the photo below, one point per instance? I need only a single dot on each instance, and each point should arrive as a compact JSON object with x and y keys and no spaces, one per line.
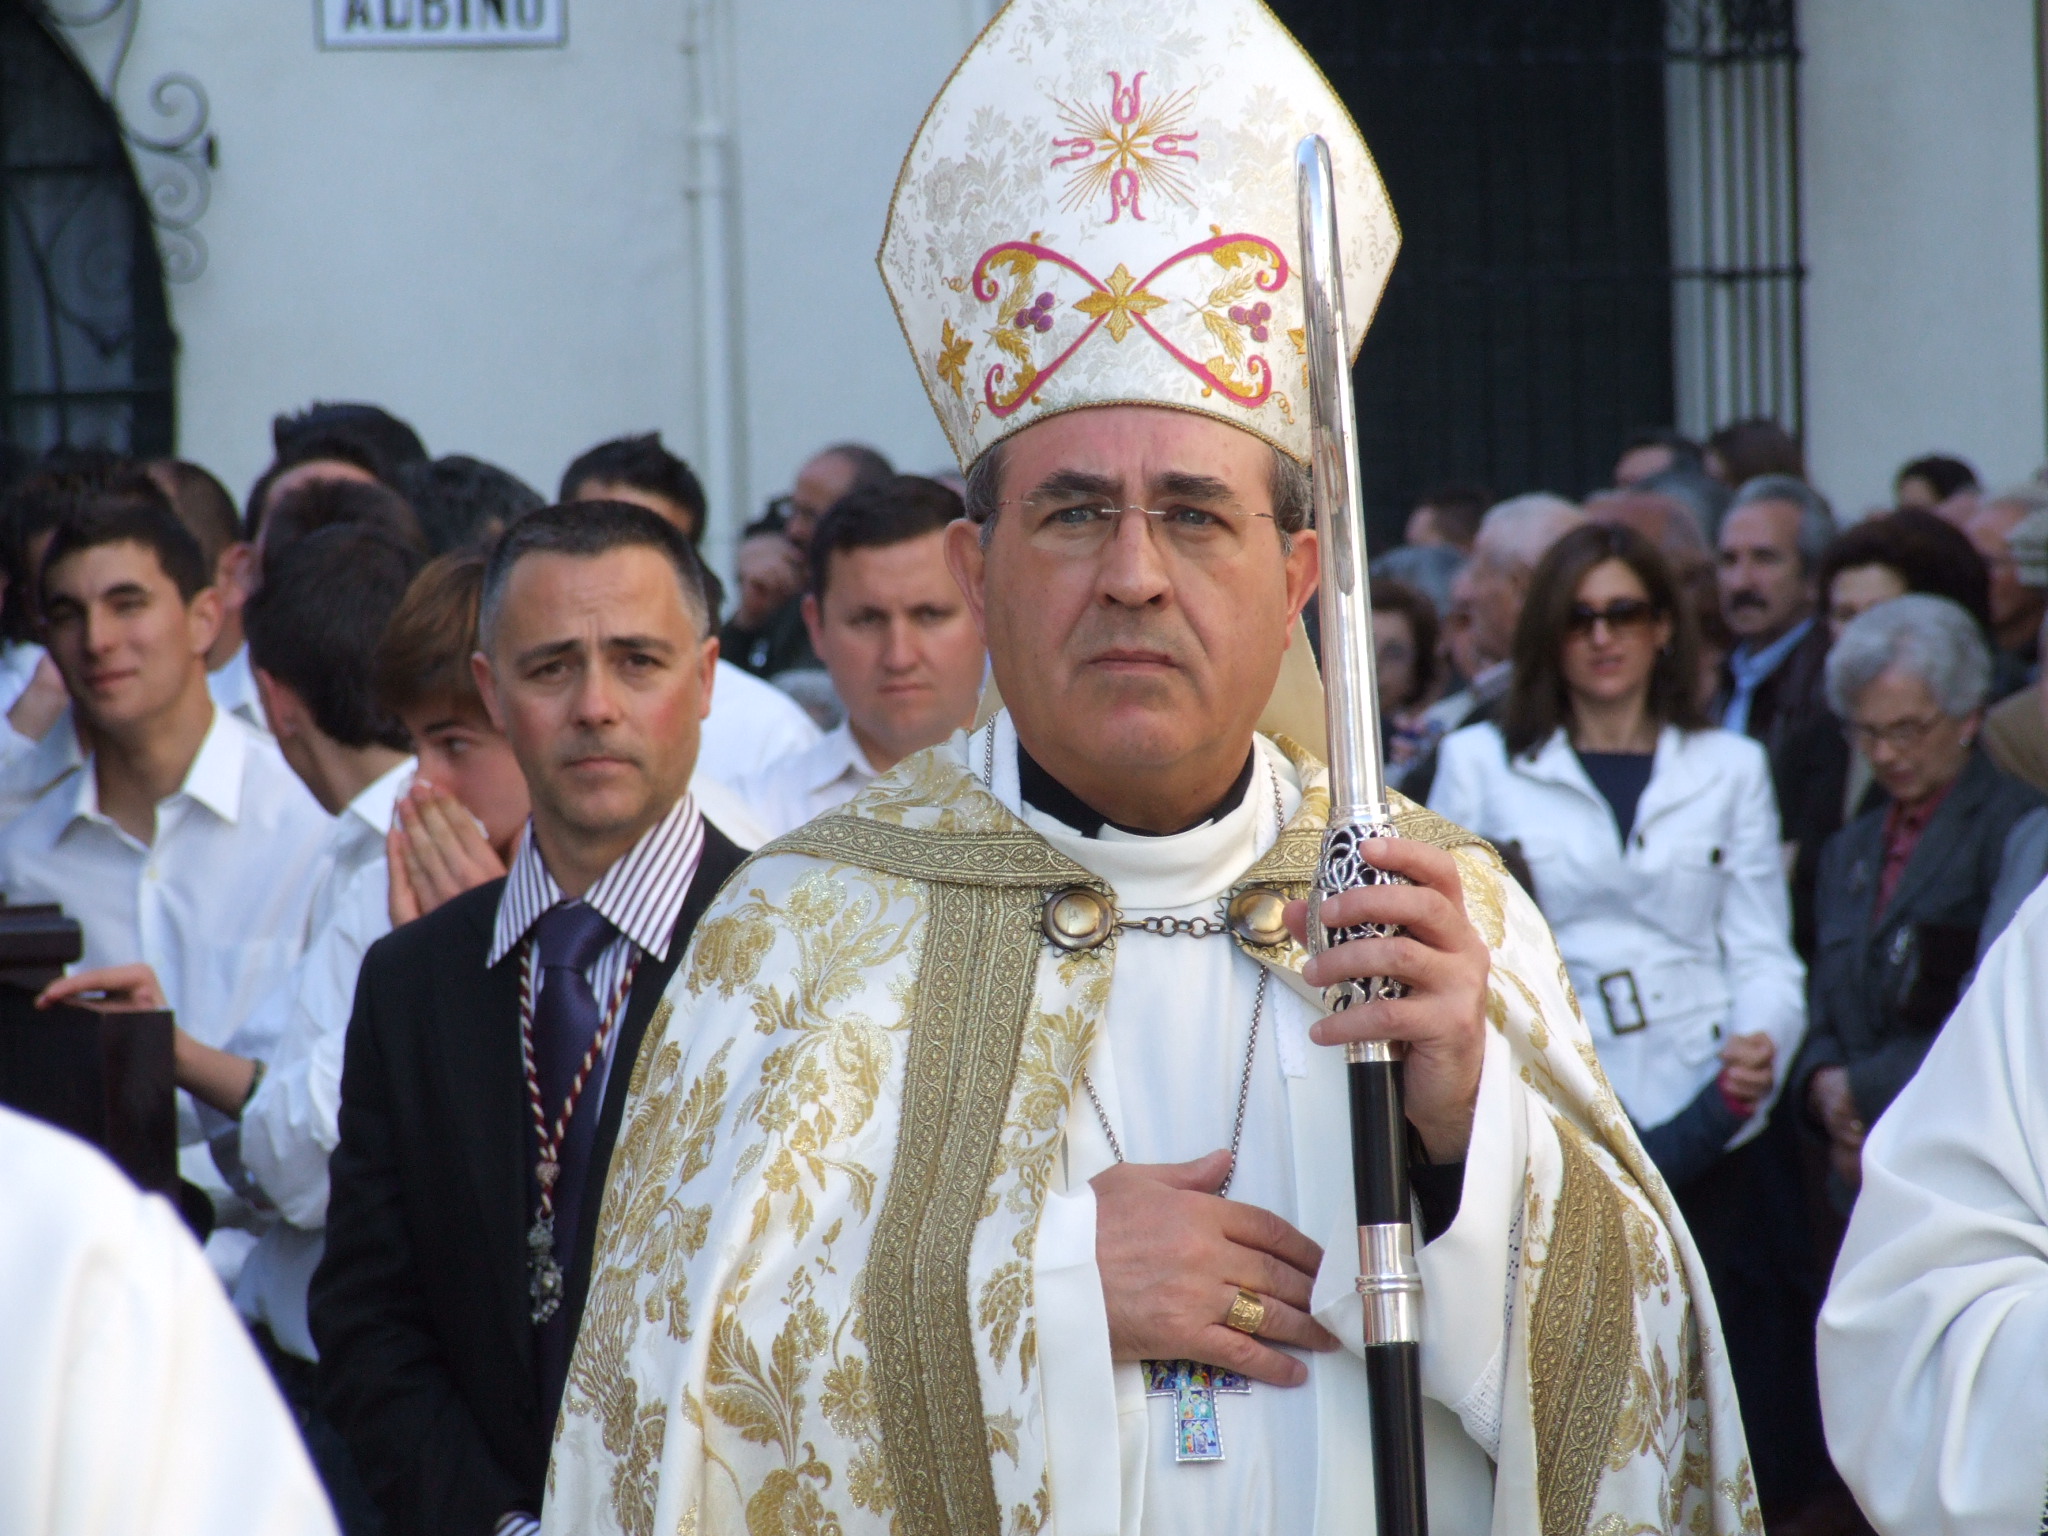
{"x":1251,"y":1045}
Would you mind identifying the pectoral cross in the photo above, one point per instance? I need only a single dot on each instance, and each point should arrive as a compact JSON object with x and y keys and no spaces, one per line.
{"x":1193,"y":1387}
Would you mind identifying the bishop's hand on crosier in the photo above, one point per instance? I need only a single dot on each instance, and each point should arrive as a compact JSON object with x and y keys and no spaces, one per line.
{"x":1441,"y":960}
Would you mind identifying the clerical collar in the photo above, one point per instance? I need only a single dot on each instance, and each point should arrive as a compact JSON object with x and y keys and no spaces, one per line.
{"x":1044,"y":793}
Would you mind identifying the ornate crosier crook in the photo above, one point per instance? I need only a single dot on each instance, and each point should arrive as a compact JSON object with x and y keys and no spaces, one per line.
{"x":1388,"y":1281}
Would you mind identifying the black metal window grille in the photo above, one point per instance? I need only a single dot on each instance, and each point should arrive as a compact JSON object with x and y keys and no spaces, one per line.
{"x":1733,"y":122}
{"x":86,"y":346}
{"x":1557,"y":287}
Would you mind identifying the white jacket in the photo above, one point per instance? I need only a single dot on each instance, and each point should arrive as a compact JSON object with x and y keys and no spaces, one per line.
{"x":1694,"y":909}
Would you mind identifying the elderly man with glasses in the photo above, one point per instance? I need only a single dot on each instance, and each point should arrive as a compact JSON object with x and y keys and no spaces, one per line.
{"x":1903,"y":887}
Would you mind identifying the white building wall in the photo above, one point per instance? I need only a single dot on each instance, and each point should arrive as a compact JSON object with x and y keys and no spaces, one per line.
{"x":829,"y":98}
{"x":1921,"y":190}
{"x":504,"y":245}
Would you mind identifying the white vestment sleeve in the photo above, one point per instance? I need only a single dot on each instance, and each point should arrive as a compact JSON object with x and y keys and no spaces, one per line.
{"x":1469,"y":1271}
{"x":1077,"y":1379}
{"x":131,"y":1402}
{"x":1935,"y":1332}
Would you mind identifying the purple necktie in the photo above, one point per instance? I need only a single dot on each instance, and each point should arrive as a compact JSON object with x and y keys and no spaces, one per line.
{"x":567,"y":940}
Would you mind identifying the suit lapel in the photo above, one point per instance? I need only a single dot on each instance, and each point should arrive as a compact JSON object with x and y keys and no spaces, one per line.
{"x":719,"y":859}
{"x":485,"y":1091}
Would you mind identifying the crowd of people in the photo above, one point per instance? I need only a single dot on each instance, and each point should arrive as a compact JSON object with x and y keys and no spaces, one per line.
{"x":240,"y":748}
{"x":1777,"y":783}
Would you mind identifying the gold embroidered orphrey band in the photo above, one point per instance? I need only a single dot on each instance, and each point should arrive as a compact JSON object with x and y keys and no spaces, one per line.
{"x":976,"y":981}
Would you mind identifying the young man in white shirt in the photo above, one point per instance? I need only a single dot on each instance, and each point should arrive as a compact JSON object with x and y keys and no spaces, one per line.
{"x":889,"y":622}
{"x":184,"y":842}
{"x":313,"y":629}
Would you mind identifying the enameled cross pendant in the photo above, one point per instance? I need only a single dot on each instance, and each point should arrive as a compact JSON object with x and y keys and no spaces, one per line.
{"x":1193,"y":1387}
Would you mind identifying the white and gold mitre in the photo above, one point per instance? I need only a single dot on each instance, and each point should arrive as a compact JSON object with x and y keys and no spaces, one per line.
{"x":1099,"y":209}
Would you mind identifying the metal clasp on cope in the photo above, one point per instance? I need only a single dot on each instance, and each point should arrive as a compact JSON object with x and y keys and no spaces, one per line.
{"x":1077,"y":918}
{"x":1257,"y":915}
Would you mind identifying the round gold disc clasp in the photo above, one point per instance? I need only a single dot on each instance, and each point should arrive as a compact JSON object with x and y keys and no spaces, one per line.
{"x":1257,"y":915}
{"x":1076,"y":918}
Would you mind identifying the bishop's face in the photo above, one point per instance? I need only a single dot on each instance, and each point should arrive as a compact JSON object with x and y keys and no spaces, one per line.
{"x":1135,"y":652}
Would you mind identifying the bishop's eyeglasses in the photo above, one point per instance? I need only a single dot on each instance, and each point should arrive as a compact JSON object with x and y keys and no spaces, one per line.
{"x":1082,"y":527}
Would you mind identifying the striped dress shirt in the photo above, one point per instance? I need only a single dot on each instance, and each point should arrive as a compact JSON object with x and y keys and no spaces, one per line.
{"x":641,"y":896}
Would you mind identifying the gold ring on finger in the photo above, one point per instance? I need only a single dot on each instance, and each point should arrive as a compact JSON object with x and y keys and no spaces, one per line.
{"x":1247,"y":1313}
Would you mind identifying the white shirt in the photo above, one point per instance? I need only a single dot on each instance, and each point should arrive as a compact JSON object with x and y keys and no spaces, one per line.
{"x":18,"y":663}
{"x":131,"y":1403}
{"x":751,"y":725}
{"x":291,"y":1124}
{"x":725,"y":810}
{"x":28,"y":768}
{"x":809,"y":783}
{"x":234,"y":688}
{"x":216,"y":906}
{"x":1933,"y":1342}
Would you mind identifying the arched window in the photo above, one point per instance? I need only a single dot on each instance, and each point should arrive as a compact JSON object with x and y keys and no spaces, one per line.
{"x":86,"y":347}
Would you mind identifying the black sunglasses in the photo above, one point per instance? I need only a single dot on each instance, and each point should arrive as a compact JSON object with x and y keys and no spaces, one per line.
{"x":1623,"y":613}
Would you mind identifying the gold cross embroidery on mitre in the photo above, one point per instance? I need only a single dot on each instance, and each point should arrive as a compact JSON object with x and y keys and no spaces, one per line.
{"x":1119,"y":303}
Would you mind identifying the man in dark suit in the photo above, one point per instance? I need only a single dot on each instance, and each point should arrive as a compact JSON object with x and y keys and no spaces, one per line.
{"x":493,"y":1040}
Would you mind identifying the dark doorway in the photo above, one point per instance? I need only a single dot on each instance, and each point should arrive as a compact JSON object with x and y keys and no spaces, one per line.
{"x":86,"y":347}
{"x":1528,"y":328}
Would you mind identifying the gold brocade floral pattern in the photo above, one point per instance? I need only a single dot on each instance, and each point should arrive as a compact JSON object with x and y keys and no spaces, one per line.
{"x":731,"y":1374}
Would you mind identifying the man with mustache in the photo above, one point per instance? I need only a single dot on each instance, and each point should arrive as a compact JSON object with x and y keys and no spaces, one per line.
{"x":487,"y":1060}
{"x":1770,"y":543}
{"x":988,"y":1174}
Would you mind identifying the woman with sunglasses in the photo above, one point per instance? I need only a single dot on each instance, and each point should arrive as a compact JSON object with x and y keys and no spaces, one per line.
{"x":1653,"y":842}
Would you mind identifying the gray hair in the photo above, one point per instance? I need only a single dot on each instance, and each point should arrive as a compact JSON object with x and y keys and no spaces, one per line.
{"x":1816,"y":520}
{"x":1518,"y":532}
{"x":1924,"y":636}
{"x":1291,"y":487}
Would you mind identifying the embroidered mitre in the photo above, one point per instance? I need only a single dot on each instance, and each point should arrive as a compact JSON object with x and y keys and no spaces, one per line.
{"x":1100,"y":209}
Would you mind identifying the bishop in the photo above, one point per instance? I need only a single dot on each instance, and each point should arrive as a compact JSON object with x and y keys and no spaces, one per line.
{"x":993,"y":1131}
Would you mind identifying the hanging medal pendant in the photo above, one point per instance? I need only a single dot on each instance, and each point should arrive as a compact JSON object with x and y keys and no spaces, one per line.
{"x":544,"y":1275}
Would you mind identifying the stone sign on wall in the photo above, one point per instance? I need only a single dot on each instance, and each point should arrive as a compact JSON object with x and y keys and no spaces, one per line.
{"x":442,"y":23}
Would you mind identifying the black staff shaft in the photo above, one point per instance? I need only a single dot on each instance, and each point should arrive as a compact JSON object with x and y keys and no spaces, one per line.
{"x":1379,"y":1171}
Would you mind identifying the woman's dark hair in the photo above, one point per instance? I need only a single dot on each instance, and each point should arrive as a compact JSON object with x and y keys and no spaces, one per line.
{"x":1927,"y":552}
{"x":1389,"y":596}
{"x":1538,"y":701}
